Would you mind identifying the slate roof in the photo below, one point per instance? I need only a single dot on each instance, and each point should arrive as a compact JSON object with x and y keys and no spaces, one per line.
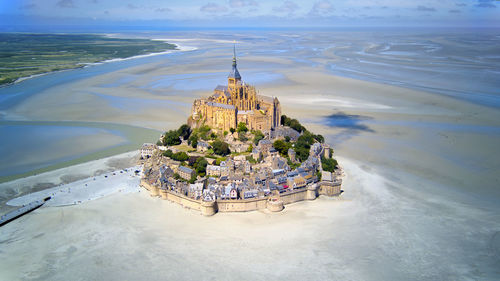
{"x":185,"y":169}
{"x":221,"y":105}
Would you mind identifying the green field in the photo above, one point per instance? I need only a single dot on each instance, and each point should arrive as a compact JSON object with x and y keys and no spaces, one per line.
{"x":23,"y":55}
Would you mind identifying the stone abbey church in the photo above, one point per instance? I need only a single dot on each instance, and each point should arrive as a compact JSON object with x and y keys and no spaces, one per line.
{"x":237,"y":102}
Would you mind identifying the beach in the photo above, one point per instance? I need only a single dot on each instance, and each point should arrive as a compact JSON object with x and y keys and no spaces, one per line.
{"x":420,"y":198}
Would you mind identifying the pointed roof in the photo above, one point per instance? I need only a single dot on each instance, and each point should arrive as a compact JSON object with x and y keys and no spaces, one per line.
{"x":234,"y":72}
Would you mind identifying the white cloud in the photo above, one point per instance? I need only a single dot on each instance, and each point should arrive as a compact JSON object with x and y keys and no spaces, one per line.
{"x":243,"y":3}
{"x":288,"y":7}
{"x":322,"y":8}
{"x":213,"y":8}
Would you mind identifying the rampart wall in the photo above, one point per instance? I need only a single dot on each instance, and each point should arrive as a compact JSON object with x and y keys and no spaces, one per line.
{"x":245,"y":205}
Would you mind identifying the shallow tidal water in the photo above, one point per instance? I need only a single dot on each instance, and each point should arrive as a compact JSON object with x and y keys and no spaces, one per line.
{"x":422,"y":189}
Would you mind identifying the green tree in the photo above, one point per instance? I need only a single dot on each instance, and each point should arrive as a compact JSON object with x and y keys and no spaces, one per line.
{"x":284,"y":120}
{"x":258,"y":136}
{"x":220,"y":148}
{"x":242,"y":127}
{"x":168,"y":153}
{"x":184,"y":131}
{"x":201,"y":166}
{"x":203,"y":132}
{"x":292,"y":123}
{"x":328,"y":164}
{"x":193,"y":140}
{"x":193,"y":178}
{"x":180,"y":156}
{"x":232,"y":130}
{"x":295,"y":124}
{"x":302,"y":153}
{"x":282,"y":147}
{"x":319,"y":138}
{"x":171,"y":138}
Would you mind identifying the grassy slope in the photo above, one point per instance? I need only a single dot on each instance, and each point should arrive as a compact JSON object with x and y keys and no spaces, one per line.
{"x":22,"y":55}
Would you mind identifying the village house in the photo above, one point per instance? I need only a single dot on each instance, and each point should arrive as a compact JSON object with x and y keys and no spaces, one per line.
{"x":264,"y":146}
{"x":256,"y":154}
{"x":202,"y":146}
{"x":291,"y":155}
{"x":185,"y":172}
{"x":213,"y":170}
{"x":299,"y":182}
{"x":195,"y":190}
{"x":147,"y":150}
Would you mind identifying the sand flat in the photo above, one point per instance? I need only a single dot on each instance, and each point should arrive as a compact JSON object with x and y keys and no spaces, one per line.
{"x":421,"y":193}
{"x":318,"y":239}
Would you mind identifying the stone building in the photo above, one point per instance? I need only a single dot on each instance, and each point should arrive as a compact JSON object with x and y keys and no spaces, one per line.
{"x":185,"y":172}
{"x":237,"y":102}
{"x":213,"y":170}
{"x":147,"y":150}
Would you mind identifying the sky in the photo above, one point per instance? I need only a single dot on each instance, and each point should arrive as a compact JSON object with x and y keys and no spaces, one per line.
{"x":249,"y":13}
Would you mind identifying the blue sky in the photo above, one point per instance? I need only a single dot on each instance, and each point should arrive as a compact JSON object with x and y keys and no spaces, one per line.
{"x":241,"y":13}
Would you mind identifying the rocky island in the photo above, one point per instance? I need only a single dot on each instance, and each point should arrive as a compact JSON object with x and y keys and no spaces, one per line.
{"x":238,"y":153}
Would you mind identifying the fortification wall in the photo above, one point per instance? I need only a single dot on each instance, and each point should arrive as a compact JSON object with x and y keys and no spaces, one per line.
{"x":239,"y":205}
{"x":153,"y":190}
{"x":329,"y":189}
{"x":293,"y":196}
{"x":184,"y":201}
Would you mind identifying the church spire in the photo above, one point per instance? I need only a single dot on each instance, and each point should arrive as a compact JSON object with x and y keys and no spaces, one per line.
{"x":234,"y":54}
{"x":234,"y":72}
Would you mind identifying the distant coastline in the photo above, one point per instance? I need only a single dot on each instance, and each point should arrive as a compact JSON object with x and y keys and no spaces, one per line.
{"x":83,"y":65}
{"x":38,"y":63}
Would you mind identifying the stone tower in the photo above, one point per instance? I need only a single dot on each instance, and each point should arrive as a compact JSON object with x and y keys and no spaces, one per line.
{"x":234,"y":78}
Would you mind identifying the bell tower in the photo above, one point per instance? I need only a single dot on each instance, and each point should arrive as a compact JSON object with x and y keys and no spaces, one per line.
{"x":234,"y":78}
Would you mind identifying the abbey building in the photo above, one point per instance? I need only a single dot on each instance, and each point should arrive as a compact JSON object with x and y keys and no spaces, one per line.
{"x":237,"y":102}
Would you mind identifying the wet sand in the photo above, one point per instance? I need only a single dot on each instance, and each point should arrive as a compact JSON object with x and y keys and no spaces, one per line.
{"x":134,"y":236}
